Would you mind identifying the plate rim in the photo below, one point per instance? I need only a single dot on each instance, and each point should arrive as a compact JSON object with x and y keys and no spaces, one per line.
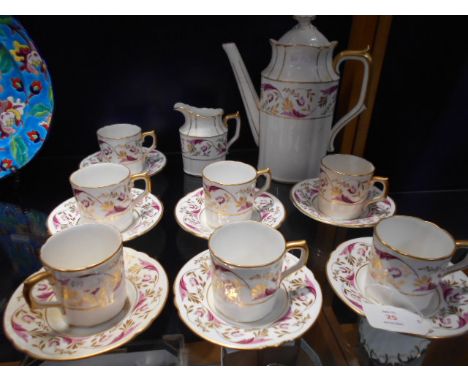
{"x":150,"y":173}
{"x":319,"y":301}
{"x":49,"y":222}
{"x":131,"y":337}
{"x":368,"y":240}
{"x":336,"y":223}
{"x":189,"y":194}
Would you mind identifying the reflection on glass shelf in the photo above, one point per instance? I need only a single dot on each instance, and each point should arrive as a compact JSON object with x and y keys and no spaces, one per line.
{"x":22,"y":233}
{"x":292,"y":353}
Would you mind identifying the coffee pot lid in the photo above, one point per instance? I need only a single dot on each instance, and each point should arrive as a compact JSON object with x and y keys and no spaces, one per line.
{"x":304,"y":33}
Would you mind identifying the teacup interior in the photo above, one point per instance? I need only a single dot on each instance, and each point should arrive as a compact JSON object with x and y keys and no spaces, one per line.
{"x":348,"y":164}
{"x":100,"y":175}
{"x":119,"y":131}
{"x":229,"y":172}
{"x":79,"y":247}
{"x":247,"y":244}
{"x":415,"y":237}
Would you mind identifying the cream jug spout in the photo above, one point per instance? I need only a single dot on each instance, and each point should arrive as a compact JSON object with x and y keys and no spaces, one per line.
{"x":184,"y":109}
{"x":246,"y":88}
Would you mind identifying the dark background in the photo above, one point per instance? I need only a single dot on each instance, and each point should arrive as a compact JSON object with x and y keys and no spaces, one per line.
{"x":133,"y":69}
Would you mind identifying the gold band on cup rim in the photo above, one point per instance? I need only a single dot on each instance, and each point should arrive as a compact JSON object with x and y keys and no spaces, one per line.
{"x":456,"y":244}
{"x":257,"y":174}
{"x":344,"y":173}
{"x":99,"y":164}
{"x":213,"y":253}
{"x":120,"y":248}
{"x":117,"y":139}
{"x":116,"y":251}
{"x":299,"y":244}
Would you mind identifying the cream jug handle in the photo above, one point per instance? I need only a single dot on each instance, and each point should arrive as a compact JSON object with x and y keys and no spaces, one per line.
{"x":364,"y":57}
{"x":226,"y":119}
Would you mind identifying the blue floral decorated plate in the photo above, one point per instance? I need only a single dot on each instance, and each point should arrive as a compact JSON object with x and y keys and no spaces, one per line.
{"x":26,"y":99}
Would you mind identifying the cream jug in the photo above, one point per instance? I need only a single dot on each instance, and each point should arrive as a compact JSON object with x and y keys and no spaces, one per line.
{"x":292,"y":121}
{"x":203,"y":136}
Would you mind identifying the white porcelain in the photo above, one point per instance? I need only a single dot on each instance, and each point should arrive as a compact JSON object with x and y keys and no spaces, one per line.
{"x":298,"y":305}
{"x":123,"y":143}
{"x":85,"y":266}
{"x":229,"y":189}
{"x":103,"y":193}
{"x":348,"y":274}
{"x":45,"y":334}
{"x":304,"y":196}
{"x":247,"y":259}
{"x":297,"y":101}
{"x":345,"y":181}
{"x":390,"y":348}
{"x":155,"y":161}
{"x":147,"y":213}
{"x":412,"y":256}
{"x":191,"y":215}
{"x":204,"y":136}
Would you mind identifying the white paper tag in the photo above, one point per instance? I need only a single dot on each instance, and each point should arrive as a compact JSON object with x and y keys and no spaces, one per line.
{"x":395,"y":319}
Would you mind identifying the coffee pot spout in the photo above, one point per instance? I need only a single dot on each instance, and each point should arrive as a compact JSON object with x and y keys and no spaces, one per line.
{"x":246,"y":88}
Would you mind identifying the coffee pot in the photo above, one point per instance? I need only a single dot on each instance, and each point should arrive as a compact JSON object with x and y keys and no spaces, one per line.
{"x":292,"y":121}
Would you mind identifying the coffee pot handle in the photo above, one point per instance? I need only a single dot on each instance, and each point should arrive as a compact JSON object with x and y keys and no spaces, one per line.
{"x":461,"y":264}
{"x":304,"y":248}
{"x":226,"y":119}
{"x":364,"y":57}
{"x":28,"y":286}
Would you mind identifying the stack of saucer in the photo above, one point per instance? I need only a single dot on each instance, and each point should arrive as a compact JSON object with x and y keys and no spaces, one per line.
{"x":99,"y":198}
{"x":93,"y":294}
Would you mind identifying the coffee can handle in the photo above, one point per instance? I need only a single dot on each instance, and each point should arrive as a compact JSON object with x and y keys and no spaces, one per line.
{"x":147,"y":179}
{"x":365,"y":58}
{"x":151,"y":134}
{"x":460,"y":265}
{"x":28,"y":286}
{"x":304,"y":248}
{"x":266,"y":172}
{"x":383,"y":195}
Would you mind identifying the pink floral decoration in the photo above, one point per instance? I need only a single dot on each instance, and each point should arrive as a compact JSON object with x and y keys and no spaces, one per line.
{"x":183,"y":288}
{"x":148,"y":265}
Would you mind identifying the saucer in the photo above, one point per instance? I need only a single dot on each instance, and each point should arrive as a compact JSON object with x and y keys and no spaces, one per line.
{"x":297,"y":307}
{"x":155,"y":161}
{"x":44,"y":334}
{"x":347,"y":274}
{"x":147,"y":215}
{"x":190,"y":212}
{"x":304,"y":197}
